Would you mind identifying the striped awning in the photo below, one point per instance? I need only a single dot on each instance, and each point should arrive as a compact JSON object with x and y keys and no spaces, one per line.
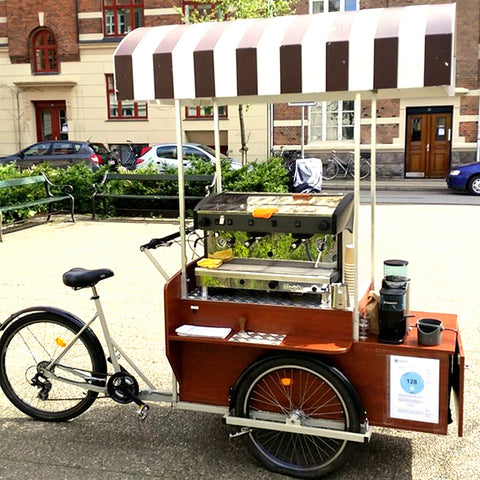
{"x":330,"y":55}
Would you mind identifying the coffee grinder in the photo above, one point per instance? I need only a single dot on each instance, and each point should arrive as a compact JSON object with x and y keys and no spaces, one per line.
{"x":393,"y":302}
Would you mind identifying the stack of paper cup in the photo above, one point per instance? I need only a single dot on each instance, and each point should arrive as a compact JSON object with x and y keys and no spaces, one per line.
{"x":349,"y":271}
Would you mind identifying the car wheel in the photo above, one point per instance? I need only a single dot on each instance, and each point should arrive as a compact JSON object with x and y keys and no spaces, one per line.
{"x":474,"y":185}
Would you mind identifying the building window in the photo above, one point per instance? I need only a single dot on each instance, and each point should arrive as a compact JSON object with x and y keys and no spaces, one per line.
{"x":122,"y":16}
{"x":331,"y":121}
{"x":196,"y":10}
{"x":205,"y":112}
{"x":44,"y":47}
{"x":322,"y":6}
{"x":123,"y":109}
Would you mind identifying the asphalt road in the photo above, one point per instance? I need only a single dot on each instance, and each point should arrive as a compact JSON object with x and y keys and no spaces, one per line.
{"x":110,"y":442}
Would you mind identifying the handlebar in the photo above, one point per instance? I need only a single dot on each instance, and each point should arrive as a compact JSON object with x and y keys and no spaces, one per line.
{"x":164,"y":241}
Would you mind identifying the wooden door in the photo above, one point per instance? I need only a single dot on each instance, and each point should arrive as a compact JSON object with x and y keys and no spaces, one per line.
{"x":428,"y":145}
{"x":51,"y":119}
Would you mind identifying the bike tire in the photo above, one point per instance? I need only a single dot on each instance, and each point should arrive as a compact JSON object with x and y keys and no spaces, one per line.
{"x":329,"y":170}
{"x":281,"y":388}
{"x":33,"y":339}
{"x":364,"y":169}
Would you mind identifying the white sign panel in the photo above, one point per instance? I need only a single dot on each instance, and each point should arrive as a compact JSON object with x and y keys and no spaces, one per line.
{"x":414,"y":388}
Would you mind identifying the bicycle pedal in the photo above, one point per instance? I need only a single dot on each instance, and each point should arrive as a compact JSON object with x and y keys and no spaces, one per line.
{"x":143,"y":412}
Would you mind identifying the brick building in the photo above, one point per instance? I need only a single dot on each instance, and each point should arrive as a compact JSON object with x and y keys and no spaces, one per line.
{"x":56,"y":82}
{"x":416,"y":137}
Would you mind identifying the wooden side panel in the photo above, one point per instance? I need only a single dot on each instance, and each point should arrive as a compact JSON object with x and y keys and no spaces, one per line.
{"x":371,"y":380}
{"x":458,"y":382}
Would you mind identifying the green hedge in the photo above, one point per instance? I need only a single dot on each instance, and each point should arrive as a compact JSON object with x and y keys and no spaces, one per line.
{"x":269,"y":176}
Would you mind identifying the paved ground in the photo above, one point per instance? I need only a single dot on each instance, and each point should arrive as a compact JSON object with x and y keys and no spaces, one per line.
{"x":108,"y":441}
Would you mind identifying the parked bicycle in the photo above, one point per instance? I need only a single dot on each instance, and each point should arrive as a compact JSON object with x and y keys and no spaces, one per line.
{"x":52,"y":365}
{"x":334,"y":165}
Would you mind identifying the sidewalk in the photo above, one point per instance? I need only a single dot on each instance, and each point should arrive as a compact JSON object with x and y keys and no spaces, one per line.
{"x":109,"y":442}
{"x":418,"y":184}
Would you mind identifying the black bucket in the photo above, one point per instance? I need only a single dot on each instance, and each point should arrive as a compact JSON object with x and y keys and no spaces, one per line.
{"x":429,"y":331}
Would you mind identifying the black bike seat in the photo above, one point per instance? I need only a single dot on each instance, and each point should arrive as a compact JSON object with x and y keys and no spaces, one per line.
{"x":81,"y":277}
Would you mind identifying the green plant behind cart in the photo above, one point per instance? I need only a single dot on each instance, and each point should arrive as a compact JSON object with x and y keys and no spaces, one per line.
{"x":269,"y":176}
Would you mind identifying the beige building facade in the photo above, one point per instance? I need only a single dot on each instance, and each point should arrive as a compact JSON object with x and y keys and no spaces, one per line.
{"x":72,"y":101}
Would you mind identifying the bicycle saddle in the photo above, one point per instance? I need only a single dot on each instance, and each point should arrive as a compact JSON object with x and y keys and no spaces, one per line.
{"x":81,"y":277}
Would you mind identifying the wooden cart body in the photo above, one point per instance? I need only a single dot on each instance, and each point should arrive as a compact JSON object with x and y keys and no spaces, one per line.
{"x":207,"y":369}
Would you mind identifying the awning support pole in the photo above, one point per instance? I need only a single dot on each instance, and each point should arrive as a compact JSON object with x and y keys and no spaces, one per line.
{"x":373,"y":187}
{"x":216,"y":134}
{"x":181,"y":198}
{"x":356,"y":211}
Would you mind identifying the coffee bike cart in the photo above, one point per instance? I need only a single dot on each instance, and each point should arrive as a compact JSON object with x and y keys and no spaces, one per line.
{"x":289,"y":371}
{"x":264,"y":338}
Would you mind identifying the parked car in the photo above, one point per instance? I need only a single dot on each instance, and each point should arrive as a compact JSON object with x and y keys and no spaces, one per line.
{"x":165,"y":154}
{"x":60,"y":154}
{"x":466,"y":178}
{"x":108,"y":157}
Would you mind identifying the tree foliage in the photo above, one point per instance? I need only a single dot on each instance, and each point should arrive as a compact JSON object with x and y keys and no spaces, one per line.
{"x":236,"y":9}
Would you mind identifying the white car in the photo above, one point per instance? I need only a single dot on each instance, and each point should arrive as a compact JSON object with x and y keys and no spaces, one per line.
{"x":165,"y":154}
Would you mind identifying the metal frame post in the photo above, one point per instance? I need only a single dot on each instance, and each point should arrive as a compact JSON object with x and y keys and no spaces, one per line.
{"x":373,"y":187}
{"x":356,"y":211}
{"x":216,"y":134}
{"x":181,"y":198}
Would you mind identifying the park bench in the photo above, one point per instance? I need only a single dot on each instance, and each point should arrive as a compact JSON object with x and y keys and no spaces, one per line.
{"x":63,"y":193}
{"x":103,"y":192}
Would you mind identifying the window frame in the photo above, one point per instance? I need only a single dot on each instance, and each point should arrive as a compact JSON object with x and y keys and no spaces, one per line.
{"x":325,"y":111}
{"x":45,"y":50}
{"x":339,"y":124}
{"x":326,"y":4}
{"x":203,"y":116}
{"x":194,"y":5}
{"x":131,"y":6}
{"x":109,"y":80}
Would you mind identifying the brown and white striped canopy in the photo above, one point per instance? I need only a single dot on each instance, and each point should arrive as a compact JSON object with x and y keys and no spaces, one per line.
{"x":296,"y":57}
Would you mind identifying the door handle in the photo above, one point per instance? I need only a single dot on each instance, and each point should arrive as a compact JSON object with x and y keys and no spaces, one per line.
{"x":428,"y":147}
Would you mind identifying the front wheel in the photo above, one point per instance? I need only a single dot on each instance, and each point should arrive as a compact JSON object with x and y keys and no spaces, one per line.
{"x":364,"y":168}
{"x":474,"y":185}
{"x":30,"y":344}
{"x":300,"y":391}
{"x":329,"y":169}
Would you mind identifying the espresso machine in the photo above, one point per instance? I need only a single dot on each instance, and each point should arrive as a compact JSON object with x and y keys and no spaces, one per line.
{"x":394,"y":302}
{"x":282,"y":244}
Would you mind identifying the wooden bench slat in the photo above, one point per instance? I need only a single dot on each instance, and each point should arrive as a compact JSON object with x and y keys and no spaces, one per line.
{"x":18,"y":182}
{"x":101,"y":190}
{"x":40,"y":201}
{"x":48,"y":197}
{"x":157,"y":177}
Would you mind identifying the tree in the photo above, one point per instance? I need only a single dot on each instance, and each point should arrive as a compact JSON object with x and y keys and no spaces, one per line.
{"x":233,"y":10}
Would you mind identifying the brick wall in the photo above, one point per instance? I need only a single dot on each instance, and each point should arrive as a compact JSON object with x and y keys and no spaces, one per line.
{"x":23,"y":19}
{"x":468,"y":130}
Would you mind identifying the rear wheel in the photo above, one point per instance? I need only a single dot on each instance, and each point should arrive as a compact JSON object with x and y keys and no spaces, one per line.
{"x":298,"y":391}
{"x":329,"y":169}
{"x":28,"y":345}
{"x":364,"y":168}
{"x":474,"y":185}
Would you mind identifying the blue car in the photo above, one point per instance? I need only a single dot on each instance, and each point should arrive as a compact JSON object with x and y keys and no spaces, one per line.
{"x":465,"y":177}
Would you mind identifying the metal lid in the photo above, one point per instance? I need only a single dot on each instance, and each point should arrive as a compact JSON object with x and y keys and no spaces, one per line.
{"x":395,"y":263}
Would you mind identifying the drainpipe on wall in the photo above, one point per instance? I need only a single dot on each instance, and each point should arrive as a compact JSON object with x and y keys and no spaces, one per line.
{"x":19,"y":136}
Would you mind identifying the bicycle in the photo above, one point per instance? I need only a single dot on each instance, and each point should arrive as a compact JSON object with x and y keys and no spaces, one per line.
{"x":52,"y":365}
{"x":334,"y":164}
